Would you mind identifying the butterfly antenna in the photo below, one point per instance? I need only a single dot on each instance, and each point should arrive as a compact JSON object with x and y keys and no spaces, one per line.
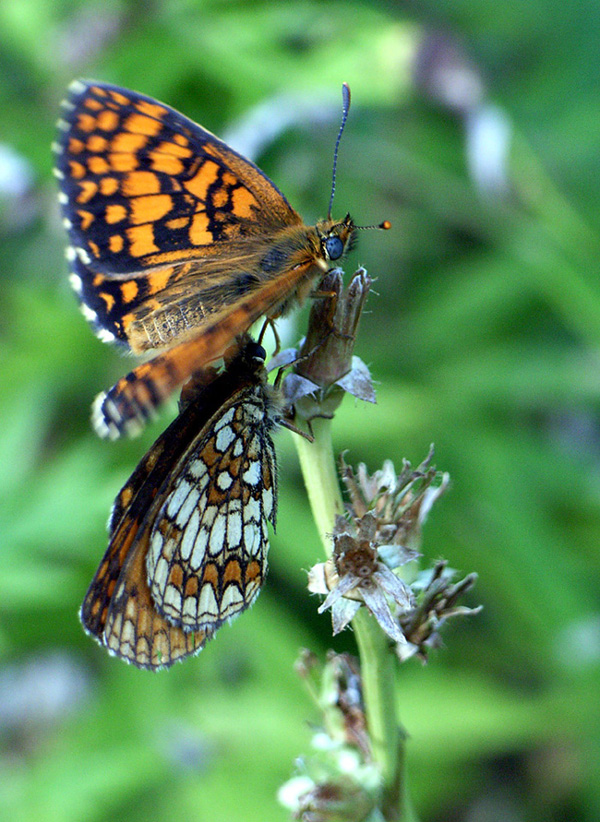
{"x":385,"y":225}
{"x":345,"y":110}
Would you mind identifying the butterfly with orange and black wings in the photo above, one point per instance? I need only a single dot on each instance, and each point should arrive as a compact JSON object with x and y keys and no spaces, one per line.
{"x":188,"y":536}
{"x":177,"y":242}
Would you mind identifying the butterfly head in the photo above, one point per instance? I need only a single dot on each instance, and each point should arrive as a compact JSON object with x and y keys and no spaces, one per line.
{"x":337,"y":237}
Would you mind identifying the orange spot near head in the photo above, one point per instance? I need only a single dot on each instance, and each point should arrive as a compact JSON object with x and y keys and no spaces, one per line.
{"x":127,"y":142}
{"x":198,"y":231}
{"x":98,"y":91}
{"x":141,"y":238}
{"x":129,"y":290}
{"x":205,"y":176}
{"x":95,"y":105}
{"x":149,"y":208}
{"x":243,"y":201}
{"x":140,"y":182}
{"x":108,"y":120}
{"x":165,"y":163}
{"x":171,"y":256}
{"x":98,"y":165}
{"x":115,"y":213}
{"x":140,"y":124}
{"x":88,"y":189}
{"x":116,"y":243}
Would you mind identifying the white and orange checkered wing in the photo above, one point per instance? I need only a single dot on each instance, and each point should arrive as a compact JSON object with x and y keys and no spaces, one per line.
{"x":207,"y":557}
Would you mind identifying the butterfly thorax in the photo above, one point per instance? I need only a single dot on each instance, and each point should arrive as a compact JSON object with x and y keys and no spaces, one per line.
{"x":198,"y":290}
{"x":312,"y":248}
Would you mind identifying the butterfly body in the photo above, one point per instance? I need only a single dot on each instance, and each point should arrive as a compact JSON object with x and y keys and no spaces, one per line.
{"x":178,"y":243}
{"x":188,"y":536}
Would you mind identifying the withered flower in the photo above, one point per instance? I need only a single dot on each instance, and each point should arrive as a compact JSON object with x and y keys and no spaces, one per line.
{"x":325,"y":366}
{"x":400,"y":503}
{"x":356,"y":574}
{"x":383,"y":534}
{"x":338,"y":781}
{"x":436,"y":597}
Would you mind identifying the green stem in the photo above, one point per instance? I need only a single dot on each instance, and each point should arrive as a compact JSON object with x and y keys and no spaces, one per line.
{"x":320,"y":477}
{"x":378,"y":665}
{"x":388,"y":738}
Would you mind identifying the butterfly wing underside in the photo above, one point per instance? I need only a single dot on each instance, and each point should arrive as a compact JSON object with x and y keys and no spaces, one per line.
{"x":208,"y":550}
{"x":188,"y":535}
{"x":118,"y":610}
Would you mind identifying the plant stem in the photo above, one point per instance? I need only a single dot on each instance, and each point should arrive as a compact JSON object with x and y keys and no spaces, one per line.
{"x":378,"y":665}
{"x":378,"y":671}
{"x":321,"y":479}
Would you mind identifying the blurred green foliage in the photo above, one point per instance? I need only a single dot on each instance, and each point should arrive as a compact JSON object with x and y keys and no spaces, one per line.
{"x":483,"y":337}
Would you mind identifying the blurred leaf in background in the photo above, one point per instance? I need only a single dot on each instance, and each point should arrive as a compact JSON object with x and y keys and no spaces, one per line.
{"x":474,"y":130}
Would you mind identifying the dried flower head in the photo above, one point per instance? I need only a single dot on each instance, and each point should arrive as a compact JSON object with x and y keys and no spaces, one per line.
{"x":326,"y":367}
{"x":356,"y":575}
{"x":400,"y":503}
{"x":436,"y":597}
{"x":338,"y":781}
{"x":382,"y":534}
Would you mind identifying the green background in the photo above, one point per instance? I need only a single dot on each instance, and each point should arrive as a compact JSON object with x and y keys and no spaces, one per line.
{"x":483,"y":338}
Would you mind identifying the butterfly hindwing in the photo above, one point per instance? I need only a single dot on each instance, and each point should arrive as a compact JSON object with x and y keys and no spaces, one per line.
{"x":208,"y":551}
{"x":188,"y":533}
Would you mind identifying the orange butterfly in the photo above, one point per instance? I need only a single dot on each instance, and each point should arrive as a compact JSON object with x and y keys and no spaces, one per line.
{"x":188,"y":531}
{"x":177,"y":242}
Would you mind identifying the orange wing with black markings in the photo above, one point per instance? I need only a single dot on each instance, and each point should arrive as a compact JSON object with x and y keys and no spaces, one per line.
{"x":188,"y":533}
{"x":144,"y":188}
{"x":174,"y":236}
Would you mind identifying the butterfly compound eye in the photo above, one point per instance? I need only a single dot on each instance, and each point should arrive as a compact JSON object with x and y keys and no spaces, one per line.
{"x":255,"y":351}
{"x":334,"y":248}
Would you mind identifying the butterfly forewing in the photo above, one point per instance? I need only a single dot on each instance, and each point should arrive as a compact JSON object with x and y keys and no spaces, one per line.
{"x":144,"y":188}
{"x":188,"y":534}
